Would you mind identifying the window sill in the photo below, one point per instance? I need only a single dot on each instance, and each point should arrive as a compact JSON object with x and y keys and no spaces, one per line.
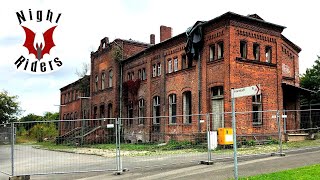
{"x":257,"y":125}
{"x":215,"y":61}
{"x":239,"y":59}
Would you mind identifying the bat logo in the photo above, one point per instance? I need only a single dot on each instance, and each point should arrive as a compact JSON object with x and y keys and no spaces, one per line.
{"x":40,"y":49}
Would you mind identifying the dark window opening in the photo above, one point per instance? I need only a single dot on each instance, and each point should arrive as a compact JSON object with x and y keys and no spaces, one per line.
{"x":212,"y":52}
{"x":243,"y":49}
{"x":172,"y":108}
{"x":187,"y":107}
{"x":268,"y":54}
{"x":220,"y":50}
{"x":257,"y":110}
{"x":156,"y":110}
{"x":110,"y":111}
{"x":256,"y":52}
{"x":130,"y":113}
{"x":141,"y":111}
{"x":217,"y":91}
{"x":102,"y":115}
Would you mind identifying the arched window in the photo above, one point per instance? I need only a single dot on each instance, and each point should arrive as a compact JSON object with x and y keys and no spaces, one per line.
{"x":96,"y":83}
{"x":156,"y":109}
{"x":110,"y":111}
{"x":110,"y":78}
{"x":187,"y":107}
{"x":103,"y":78}
{"x":172,"y":108}
{"x":141,"y":110}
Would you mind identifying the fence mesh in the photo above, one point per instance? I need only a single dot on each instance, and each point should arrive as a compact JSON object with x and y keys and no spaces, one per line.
{"x":5,"y":148}
{"x":301,"y":126}
{"x":46,"y":147}
{"x":163,"y":141}
{"x":64,"y":146}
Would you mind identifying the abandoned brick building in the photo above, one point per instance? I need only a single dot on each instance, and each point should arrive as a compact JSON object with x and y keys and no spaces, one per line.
{"x":132,"y":79}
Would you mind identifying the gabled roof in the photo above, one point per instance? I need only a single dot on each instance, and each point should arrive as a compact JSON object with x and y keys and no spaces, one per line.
{"x":254,"y":18}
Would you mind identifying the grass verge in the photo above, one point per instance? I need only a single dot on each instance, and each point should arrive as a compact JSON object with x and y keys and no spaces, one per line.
{"x":303,"y":173}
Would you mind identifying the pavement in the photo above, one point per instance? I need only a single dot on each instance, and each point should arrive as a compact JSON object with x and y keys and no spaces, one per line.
{"x":219,"y":170}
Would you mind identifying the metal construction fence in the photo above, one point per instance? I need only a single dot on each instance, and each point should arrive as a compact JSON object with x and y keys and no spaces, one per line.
{"x":116,"y":144}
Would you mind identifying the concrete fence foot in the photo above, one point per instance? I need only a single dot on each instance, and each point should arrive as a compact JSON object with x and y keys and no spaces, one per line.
{"x":121,"y":171}
{"x":206,"y":162}
{"x":25,"y":177}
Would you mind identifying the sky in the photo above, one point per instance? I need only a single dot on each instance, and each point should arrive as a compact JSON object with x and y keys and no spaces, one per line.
{"x":84,"y":23}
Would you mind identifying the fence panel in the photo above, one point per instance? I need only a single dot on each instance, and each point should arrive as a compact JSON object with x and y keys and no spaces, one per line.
{"x":45,"y":147}
{"x":257,"y":134}
{"x":5,"y":149}
{"x":301,"y":129}
{"x":160,"y":141}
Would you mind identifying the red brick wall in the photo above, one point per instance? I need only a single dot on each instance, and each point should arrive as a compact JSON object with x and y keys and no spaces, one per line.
{"x":231,"y":71}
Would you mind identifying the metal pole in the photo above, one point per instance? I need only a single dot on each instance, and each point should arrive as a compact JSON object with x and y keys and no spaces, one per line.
{"x":284,"y":122}
{"x":82,"y":124}
{"x":12,"y":148}
{"x":279,"y":132}
{"x":208,"y":137}
{"x":118,"y":160}
{"x":235,"y":158}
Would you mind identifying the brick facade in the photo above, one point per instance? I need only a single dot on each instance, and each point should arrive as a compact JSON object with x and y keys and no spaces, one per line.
{"x":238,"y":51}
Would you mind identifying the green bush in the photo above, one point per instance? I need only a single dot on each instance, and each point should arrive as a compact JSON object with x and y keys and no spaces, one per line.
{"x":43,"y":131}
{"x":251,"y":143}
{"x":272,"y":140}
{"x":22,"y":131}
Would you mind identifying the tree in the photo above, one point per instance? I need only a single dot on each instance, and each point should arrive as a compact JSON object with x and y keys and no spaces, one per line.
{"x":9,"y":107}
{"x":311,"y":80}
{"x":51,"y":116}
{"x":84,"y":80}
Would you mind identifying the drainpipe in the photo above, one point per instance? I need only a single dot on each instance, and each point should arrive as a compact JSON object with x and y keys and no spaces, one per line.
{"x":199,"y":91}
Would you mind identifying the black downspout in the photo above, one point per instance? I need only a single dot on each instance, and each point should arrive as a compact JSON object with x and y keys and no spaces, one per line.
{"x":199,"y":91}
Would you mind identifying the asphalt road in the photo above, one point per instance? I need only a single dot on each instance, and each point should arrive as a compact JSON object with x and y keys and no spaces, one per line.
{"x":177,"y":167}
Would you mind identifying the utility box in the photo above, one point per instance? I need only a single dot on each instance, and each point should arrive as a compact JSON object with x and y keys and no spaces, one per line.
{"x":225,"y":136}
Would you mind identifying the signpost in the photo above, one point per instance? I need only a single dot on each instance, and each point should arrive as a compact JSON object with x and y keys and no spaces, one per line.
{"x":236,"y":93}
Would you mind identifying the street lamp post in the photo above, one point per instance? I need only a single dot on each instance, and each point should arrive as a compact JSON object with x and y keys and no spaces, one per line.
{"x":82,"y":121}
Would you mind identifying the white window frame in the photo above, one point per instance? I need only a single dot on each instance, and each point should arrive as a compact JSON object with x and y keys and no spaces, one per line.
{"x":212,"y":52}
{"x":144,"y":75}
{"x":257,"y":101}
{"x":154,"y":70}
{"x":170,"y":66}
{"x":175,"y":65}
{"x":141,"y":110}
{"x":220,"y":50}
{"x":268,"y":50}
{"x":159,"y":69}
{"x":156,"y":103}
{"x":172,"y":102}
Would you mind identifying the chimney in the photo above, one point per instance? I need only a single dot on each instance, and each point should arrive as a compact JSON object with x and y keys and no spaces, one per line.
{"x":165,"y":33}
{"x":152,"y":39}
